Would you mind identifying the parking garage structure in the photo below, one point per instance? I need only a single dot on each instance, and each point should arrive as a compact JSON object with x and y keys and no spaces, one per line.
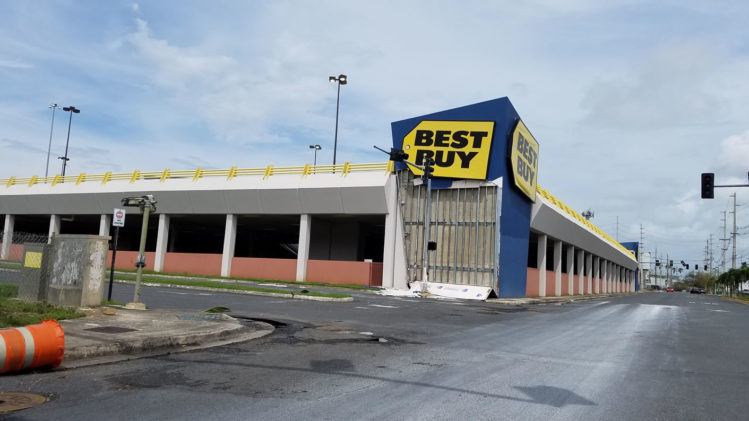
{"x":492,"y":227}
{"x":326,"y":225}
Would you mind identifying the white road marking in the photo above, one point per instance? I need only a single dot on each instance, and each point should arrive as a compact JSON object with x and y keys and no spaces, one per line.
{"x":362,"y":308}
{"x":718,"y":310}
{"x":188,"y":293}
{"x":381,"y":306}
{"x":366,"y":333}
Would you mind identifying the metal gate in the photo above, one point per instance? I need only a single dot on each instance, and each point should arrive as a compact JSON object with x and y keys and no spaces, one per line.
{"x":464,"y":225}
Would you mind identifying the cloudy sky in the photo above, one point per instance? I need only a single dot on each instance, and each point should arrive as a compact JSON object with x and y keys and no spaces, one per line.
{"x":629,"y":100}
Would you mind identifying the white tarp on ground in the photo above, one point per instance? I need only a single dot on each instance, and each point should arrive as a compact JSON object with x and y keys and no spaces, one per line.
{"x":468,"y":292}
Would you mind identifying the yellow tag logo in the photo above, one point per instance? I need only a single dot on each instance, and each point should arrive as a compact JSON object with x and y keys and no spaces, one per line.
{"x":524,"y":160}
{"x":32,"y":260}
{"x":460,"y":149}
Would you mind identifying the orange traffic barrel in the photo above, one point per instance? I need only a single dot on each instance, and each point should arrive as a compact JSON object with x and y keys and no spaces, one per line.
{"x":33,"y":346}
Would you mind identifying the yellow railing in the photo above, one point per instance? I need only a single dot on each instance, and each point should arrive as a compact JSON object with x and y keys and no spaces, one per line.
{"x":198,"y":174}
{"x":573,"y":213}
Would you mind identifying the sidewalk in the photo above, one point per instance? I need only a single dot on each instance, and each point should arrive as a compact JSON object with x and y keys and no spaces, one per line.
{"x":127,"y":334}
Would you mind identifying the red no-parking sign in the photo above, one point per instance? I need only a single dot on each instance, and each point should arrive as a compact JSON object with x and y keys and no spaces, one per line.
{"x":118,"y":217}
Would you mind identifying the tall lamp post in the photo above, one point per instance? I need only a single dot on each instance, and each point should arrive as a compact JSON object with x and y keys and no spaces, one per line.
{"x":72,"y":110}
{"x":49,"y":147}
{"x":316,"y":148}
{"x":341,"y":80}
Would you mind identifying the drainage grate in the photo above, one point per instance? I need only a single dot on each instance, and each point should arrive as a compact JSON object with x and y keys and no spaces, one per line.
{"x":111,"y":329}
{"x":16,"y":401}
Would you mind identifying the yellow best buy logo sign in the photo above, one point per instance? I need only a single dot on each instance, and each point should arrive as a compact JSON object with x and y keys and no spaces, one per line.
{"x":524,"y":160}
{"x":460,"y":149}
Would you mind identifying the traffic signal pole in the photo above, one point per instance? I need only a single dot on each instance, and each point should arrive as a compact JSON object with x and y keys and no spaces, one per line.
{"x":398,"y":155}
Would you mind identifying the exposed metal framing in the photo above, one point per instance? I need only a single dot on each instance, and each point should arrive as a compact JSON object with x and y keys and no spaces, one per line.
{"x":464,"y":224}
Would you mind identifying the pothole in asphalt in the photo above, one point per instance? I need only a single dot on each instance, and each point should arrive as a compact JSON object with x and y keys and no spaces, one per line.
{"x":274,"y":323}
{"x":16,"y":401}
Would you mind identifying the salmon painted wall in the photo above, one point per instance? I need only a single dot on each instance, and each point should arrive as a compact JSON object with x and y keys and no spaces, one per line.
{"x":126,"y":260}
{"x":340,"y":272}
{"x":531,"y":283}
{"x":262,"y":268}
{"x":565,"y":284}
{"x":193,"y":263}
{"x":15,"y":253}
{"x":550,"y":276}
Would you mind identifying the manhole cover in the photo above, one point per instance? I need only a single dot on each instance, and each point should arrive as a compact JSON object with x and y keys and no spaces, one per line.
{"x":16,"y":401}
{"x":111,"y":329}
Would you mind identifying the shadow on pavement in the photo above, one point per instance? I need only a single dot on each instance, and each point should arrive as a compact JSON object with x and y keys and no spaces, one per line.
{"x":544,"y":395}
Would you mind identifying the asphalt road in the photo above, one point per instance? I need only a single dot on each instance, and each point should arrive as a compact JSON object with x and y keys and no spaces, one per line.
{"x":670,"y":356}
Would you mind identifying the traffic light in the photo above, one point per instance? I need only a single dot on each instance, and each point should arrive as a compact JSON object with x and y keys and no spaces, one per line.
{"x":397,"y":155}
{"x":428,"y":168}
{"x":696,"y":267}
{"x":671,"y":263}
{"x":705,"y":267}
{"x":708,"y":185}
{"x":657,"y":262}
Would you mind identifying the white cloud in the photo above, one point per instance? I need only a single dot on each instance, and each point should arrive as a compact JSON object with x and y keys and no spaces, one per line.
{"x":734,"y":154}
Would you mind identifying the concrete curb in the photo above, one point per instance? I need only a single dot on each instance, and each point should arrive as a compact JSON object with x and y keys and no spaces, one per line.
{"x":127,"y":350}
{"x":239,"y":291}
{"x":735,"y":300}
{"x":569,"y":299}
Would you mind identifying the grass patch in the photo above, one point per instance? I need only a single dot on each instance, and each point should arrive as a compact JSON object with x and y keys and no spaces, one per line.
{"x":8,"y":291}
{"x":15,"y":313}
{"x":9,"y":265}
{"x":151,"y":276}
{"x":229,"y":286}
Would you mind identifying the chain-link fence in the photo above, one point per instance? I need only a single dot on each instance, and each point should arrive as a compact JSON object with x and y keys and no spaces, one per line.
{"x":14,"y":250}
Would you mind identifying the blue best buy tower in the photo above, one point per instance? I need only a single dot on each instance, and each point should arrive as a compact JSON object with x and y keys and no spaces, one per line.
{"x":514,"y":221}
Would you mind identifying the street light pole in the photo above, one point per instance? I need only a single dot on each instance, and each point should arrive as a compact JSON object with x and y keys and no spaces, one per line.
{"x":71,"y":109}
{"x":316,"y":148}
{"x":49,"y":147}
{"x":341,"y":80}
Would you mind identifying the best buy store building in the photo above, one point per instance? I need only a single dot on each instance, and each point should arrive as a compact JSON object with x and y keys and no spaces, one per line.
{"x":351,"y":223}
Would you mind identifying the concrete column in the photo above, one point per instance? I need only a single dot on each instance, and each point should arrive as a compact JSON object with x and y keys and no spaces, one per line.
{"x":54,"y":227}
{"x":10,"y":220}
{"x":541,"y":260}
{"x":394,"y":267}
{"x":105,"y":221}
{"x":632,"y":282}
{"x":303,"y":252}
{"x":230,"y":240}
{"x":580,"y":271}
{"x":605,"y":280}
{"x":557,"y":268}
{"x":162,"y":239}
{"x":617,"y":284}
{"x":570,"y":269}
{"x":593,"y":274}
{"x":589,"y":273}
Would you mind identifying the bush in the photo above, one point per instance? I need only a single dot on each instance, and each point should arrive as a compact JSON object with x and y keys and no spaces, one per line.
{"x":8,"y":291}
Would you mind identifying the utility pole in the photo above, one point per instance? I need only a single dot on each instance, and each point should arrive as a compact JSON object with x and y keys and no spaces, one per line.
{"x":617,"y":228}
{"x":733,"y":234}
{"x":640,"y":251}
{"x":724,"y":246}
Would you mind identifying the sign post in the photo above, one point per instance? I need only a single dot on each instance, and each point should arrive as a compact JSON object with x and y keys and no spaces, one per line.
{"x":118,"y":220}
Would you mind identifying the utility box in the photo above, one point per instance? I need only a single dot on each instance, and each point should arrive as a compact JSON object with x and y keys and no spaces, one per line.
{"x":76,"y":270}
{"x":32,"y":285}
